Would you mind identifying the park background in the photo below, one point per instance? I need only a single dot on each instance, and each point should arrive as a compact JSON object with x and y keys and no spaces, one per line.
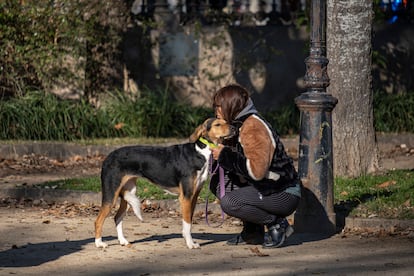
{"x":104,"y":69}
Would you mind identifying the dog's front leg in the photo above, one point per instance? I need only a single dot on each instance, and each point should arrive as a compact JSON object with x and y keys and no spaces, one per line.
{"x":187,"y":218}
{"x":187,"y":236}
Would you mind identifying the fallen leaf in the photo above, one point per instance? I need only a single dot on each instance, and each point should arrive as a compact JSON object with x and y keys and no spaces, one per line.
{"x":256,"y":251}
{"x":76,"y":158}
{"x":387,"y":184}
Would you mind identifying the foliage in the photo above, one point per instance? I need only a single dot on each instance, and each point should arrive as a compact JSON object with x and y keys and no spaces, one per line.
{"x":154,"y":114}
{"x":388,"y":195}
{"x":42,"y":41}
{"x":394,"y":112}
{"x":284,"y":120}
{"x":42,"y":116}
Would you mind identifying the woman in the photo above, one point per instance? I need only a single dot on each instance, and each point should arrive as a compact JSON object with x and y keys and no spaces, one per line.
{"x":262,"y":186}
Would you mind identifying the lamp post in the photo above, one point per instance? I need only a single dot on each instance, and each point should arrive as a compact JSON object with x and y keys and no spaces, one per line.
{"x":315,"y":212}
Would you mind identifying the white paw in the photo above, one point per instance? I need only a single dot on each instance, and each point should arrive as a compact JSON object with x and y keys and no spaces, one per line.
{"x":123,"y":241}
{"x":100,"y":244}
{"x":193,"y":245}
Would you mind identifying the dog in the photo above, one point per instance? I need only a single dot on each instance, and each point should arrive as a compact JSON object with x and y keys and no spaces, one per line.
{"x":182,"y":167}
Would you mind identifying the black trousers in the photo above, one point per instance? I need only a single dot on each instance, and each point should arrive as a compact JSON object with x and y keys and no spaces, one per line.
{"x":245,"y":202}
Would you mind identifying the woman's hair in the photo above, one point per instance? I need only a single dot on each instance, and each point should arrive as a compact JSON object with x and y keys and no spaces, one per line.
{"x":232,"y":99}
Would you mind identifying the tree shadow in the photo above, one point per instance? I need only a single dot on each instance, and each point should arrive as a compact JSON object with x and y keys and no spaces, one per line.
{"x":211,"y":238}
{"x":34,"y":254}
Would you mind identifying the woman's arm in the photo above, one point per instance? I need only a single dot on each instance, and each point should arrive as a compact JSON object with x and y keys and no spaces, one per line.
{"x":258,"y":146}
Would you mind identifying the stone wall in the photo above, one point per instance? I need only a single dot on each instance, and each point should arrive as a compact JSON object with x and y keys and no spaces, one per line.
{"x":267,"y":60}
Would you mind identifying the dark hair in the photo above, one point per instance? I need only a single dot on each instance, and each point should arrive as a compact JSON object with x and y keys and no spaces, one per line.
{"x":232,"y":99}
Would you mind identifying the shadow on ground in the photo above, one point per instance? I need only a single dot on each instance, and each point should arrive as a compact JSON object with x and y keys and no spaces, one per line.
{"x":35,"y":254}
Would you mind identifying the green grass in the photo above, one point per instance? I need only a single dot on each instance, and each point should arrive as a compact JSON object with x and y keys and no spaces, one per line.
{"x":43,"y":116}
{"x":388,"y":195}
{"x":145,"y":190}
{"x":394,"y":112}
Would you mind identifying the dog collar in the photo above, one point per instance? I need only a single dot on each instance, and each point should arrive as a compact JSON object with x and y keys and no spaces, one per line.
{"x":207,"y":143}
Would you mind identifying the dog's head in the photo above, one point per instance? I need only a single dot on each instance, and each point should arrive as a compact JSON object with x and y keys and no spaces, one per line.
{"x":214,"y":130}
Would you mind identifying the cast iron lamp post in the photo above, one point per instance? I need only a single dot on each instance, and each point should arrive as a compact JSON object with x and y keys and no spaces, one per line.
{"x":315,"y":212}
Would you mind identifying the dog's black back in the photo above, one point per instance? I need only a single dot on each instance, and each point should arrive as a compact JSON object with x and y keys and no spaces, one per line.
{"x":166,"y":166}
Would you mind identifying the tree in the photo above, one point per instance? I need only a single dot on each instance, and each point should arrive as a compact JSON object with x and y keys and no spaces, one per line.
{"x":349,"y":28}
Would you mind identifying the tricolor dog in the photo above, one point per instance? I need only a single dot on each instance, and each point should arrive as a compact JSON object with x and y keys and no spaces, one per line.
{"x":183,"y":167}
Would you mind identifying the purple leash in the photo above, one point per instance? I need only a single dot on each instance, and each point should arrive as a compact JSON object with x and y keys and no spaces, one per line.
{"x":222,"y":189}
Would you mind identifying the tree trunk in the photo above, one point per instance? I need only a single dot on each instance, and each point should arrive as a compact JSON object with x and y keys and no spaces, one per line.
{"x":349,"y":28}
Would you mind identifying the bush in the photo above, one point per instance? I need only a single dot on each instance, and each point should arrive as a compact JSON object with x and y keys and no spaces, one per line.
{"x":394,"y":112}
{"x":44,"y":43}
{"x":284,"y":120}
{"x":43,"y":116}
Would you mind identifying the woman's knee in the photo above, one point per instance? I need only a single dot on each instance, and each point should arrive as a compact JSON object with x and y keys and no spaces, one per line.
{"x":229,"y":205}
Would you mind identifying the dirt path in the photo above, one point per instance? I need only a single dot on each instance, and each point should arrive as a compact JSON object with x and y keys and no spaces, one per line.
{"x":37,"y":238}
{"x":35,"y":241}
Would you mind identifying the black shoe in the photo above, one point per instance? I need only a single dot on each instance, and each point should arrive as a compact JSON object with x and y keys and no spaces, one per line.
{"x":238,"y":240}
{"x":252,"y":234}
{"x":278,"y":233}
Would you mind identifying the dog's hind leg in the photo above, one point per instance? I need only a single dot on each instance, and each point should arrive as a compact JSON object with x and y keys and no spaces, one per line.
{"x":103,"y":213}
{"x":118,"y":221}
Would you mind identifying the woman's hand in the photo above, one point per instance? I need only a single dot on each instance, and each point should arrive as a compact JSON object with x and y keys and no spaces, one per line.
{"x":216,"y":151}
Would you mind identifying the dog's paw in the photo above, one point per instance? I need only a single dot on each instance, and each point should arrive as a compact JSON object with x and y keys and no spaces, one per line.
{"x":100,"y":244}
{"x":193,"y":245}
{"x":123,"y":241}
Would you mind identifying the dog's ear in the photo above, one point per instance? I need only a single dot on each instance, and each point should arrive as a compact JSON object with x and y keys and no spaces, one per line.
{"x":198,"y":132}
{"x":201,"y":130}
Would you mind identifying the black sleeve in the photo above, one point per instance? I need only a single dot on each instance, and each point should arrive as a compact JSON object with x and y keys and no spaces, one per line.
{"x":234,"y":162}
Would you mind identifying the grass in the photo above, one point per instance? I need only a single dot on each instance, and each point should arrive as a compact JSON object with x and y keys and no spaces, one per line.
{"x":145,"y":190}
{"x":394,"y":112}
{"x":387,"y":196}
{"x":44,"y":117}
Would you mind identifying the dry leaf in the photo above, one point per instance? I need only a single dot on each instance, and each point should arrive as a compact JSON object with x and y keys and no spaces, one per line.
{"x":256,"y":251}
{"x":76,"y":158}
{"x":387,"y":184}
